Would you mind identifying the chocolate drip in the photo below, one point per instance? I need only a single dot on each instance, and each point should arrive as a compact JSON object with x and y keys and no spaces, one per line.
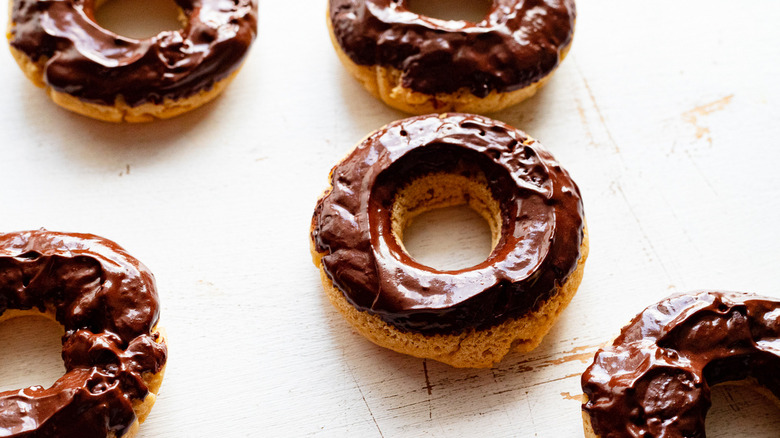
{"x":655,"y":378}
{"x":97,"y":66}
{"x":517,"y":44}
{"x":107,"y":302}
{"x":541,"y":229}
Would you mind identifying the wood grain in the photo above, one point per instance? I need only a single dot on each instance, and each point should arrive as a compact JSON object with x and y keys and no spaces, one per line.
{"x":666,"y":115}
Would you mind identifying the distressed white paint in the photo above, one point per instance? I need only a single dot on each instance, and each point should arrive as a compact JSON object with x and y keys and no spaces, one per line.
{"x":666,"y":114}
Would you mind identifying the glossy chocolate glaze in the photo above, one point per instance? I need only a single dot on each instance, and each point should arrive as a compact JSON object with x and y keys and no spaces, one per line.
{"x":96,"y":65}
{"x":655,"y":379}
{"x":517,"y":44}
{"x":541,"y":229}
{"x":107,"y":302}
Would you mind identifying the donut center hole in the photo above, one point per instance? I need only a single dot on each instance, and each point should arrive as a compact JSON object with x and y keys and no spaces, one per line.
{"x":31,"y":351}
{"x":472,"y":11}
{"x":446,"y":222}
{"x":742,"y":410}
{"x":147,"y":17}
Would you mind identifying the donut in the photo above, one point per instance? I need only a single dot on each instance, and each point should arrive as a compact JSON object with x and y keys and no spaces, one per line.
{"x":97,"y":73}
{"x":469,"y":317}
{"x":113,"y":349}
{"x":421,"y":65}
{"x":655,"y":378}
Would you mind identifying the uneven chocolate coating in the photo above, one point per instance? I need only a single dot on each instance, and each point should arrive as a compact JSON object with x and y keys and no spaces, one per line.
{"x":107,"y":302}
{"x":518,"y":43}
{"x":96,"y":65}
{"x":655,"y":379}
{"x":541,"y":229}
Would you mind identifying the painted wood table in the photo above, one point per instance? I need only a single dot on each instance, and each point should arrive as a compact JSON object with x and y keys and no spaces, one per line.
{"x":667,"y":114}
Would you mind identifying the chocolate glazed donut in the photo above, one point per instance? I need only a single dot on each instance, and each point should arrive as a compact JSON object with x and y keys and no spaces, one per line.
{"x":533,"y":207}
{"x":655,"y":378}
{"x":421,"y":64}
{"x":114,"y":354}
{"x":95,"y":72}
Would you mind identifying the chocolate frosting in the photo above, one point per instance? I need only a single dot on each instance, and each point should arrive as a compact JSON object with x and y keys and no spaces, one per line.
{"x":518,"y":43}
{"x":107,"y":302}
{"x":655,"y":378}
{"x":97,"y":66}
{"x":540,"y":237}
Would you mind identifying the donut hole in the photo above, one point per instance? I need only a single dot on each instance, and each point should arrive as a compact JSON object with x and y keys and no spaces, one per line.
{"x":471,"y":11}
{"x":156,"y":16}
{"x":446,"y":221}
{"x":449,"y":238}
{"x":737,"y":408}
{"x":31,"y":348}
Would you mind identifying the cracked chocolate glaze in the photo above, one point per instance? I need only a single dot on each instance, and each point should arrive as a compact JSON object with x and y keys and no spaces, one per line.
{"x":541,"y":228}
{"x":96,"y":65}
{"x":655,"y":378}
{"x":107,"y":303}
{"x":518,"y":43}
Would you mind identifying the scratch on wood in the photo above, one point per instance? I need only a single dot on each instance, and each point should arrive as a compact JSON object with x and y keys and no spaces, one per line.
{"x":733,"y":405}
{"x":428,"y":387}
{"x":598,"y":110}
{"x":568,"y":396}
{"x":530,"y":411}
{"x":644,"y":233}
{"x":692,"y":116}
{"x":370,"y":413}
{"x":568,"y":376}
{"x":702,"y":174}
{"x":357,"y":385}
{"x":406,"y":405}
{"x":427,"y":380}
{"x":504,"y":391}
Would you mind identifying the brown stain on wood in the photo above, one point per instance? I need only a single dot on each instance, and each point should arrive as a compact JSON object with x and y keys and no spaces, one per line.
{"x":575,"y":397}
{"x":584,"y":120}
{"x":582,"y":357}
{"x":693,"y":116}
{"x":582,"y":353}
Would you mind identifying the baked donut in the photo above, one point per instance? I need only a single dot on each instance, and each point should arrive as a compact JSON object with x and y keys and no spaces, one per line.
{"x":655,"y":378}
{"x":421,"y":65}
{"x":95,"y":72}
{"x":470,"y":317}
{"x":113,"y":349}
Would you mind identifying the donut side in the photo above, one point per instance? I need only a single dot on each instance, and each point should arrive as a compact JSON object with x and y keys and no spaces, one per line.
{"x":113,"y":349}
{"x":655,"y":377}
{"x":386,"y":84}
{"x":120,"y":111}
{"x":587,"y":426}
{"x":587,"y":423}
{"x":468,"y":317}
{"x":153,"y":381}
{"x":471,"y":349}
{"x":133,"y":94}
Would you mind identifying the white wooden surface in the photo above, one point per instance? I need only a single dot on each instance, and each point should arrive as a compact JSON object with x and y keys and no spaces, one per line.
{"x":666,"y":113}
